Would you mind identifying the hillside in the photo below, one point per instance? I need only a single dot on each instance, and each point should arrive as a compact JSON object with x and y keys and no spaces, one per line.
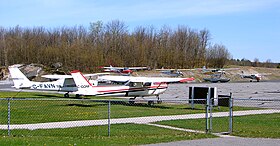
{"x":232,"y":73}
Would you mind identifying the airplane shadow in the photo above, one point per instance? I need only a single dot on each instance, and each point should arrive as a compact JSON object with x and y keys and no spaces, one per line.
{"x":48,"y":96}
{"x":122,"y":103}
{"x":126,"y":103}
{"x":85,"y":105}
{"x":104,"y":102}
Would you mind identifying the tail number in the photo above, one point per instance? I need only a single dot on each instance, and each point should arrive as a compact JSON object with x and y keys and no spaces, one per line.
{"x":83,"y":86}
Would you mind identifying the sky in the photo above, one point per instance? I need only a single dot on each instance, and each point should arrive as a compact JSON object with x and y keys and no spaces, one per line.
{"x":249,"y":29}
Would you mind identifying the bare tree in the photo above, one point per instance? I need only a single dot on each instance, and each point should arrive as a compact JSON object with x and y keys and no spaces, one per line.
{"x":217,"y":55}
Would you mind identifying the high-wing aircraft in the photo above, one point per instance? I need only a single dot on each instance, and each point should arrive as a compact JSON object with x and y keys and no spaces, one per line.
{"x":65,"y":84}
{"x":205,"y":70}
{"x":123,"y":70}
{"x":215,"y":78}
{"x":256,"y":77}
{"x":124,"y":79}
{"x":61,"y":83}
{"x":172,"y":72}
{"x":134,"y":86}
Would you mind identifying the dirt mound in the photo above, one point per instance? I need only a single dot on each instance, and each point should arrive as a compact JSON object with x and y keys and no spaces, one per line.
{"x":233,"y":73}
{"x":32,"y":71}
{"x":4,"y":73}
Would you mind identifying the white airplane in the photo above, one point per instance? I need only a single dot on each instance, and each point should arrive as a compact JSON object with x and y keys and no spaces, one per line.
{"x":65,"y":84}
{"x":123,"y":70}
{"x":124,"y":79}
{"x":134,"y":87}
{"x":172,"y":72}
{"x":256,"y":77}
{"x":62,"y":83}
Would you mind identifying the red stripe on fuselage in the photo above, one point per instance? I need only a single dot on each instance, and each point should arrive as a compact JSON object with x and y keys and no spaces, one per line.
{"x":131,"y":89}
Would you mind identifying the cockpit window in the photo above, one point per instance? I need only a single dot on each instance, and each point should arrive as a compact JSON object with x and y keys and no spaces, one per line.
{"x":147,"y":84}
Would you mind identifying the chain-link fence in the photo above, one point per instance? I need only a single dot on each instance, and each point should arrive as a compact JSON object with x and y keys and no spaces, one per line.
{"x":84,"y":117}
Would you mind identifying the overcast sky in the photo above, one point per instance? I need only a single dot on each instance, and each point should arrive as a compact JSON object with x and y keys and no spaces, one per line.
{"x":248,"y":28}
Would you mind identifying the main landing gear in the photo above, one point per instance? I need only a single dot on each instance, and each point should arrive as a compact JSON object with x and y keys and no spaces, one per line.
{"x":131,"y":100}
{"x":150,"y":102}
{"x":66,"y":95}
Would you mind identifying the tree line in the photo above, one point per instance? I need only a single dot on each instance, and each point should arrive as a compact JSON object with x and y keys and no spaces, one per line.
{"x":256,"y":63}
{"x":113,"y":43}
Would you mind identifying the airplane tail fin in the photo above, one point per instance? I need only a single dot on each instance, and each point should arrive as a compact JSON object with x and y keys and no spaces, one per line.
{"x":83,"y":85}
{"x":19,"y":79}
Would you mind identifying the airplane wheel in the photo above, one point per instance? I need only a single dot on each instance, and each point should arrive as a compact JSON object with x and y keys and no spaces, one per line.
{"x":66,"y":95}
{"x":159,"y":101}
{"x":150,"y":103}
{"x":77,"y":96}
{"x":131,"y":101}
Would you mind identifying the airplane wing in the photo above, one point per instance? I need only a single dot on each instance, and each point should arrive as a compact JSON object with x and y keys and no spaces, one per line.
{"x":70,"y":76}
{"x":96,"y":74}
{"x":137,"y":68}
{"x":144,"y":79}
{"x":131,"y":68}
{"x":159,"y":79}
{"x":110,"y":67}
{"x":57,"y":76}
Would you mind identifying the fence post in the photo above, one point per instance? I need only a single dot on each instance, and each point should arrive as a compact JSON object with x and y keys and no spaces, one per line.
{"x":210,"y":110}
{"x":9,"y":116}
{"x":192,"y":100}
{"x":109,"y":112}
{"x":208,"y":115}
{"x":230,"y":113}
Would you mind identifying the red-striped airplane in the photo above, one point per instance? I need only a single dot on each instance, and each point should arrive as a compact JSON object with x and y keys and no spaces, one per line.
{"x":134,"y":86}
{"x":123,"y":70}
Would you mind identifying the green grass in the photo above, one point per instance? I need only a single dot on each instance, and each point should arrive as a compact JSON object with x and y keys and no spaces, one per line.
{"x":37,"y":111}
{"x":125,"y":134}
{"x":265,"y":126}
{"x":20,"y":94}
{"x":34,"y":111}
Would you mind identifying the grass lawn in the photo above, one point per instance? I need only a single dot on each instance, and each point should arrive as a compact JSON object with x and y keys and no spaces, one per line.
{"x":265,"y":126}
{"x":125,"y":134}
{"x":34,"y":111}
{"x":44,"y":110}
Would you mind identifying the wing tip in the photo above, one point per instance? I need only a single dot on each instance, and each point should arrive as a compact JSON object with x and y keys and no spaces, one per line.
{"x":187,"y":80}
{"x":75,"y":71}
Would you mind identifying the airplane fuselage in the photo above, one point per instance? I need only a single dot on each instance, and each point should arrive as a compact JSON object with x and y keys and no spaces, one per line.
{"x":52,"y":86}
{"x":133,"y":89}
{"x":130,"y":91}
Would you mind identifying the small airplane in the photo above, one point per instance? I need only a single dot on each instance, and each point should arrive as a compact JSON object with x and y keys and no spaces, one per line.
{"x":65,"y":84}
{"x":60,"y":83}
{"x":215,"y":78}
{"x":133,"y":87}
{"x":123,"y":70}
{"x":172,"y":72}
{"x":209,"y":71}
{"x":205,"y":70}
{"x":125,"y":79}
{"x":256,"y":77}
